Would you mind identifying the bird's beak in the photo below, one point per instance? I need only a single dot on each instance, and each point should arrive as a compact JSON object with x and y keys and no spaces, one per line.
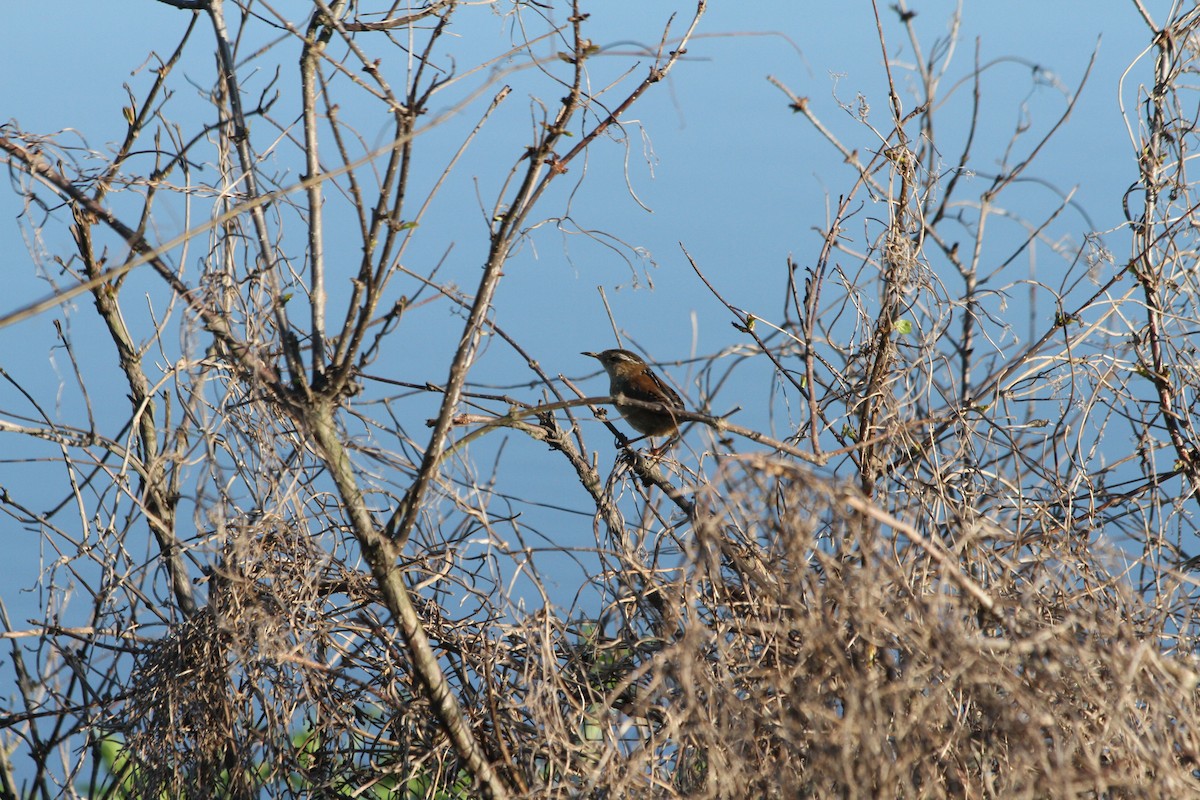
{"x":586,"y":353}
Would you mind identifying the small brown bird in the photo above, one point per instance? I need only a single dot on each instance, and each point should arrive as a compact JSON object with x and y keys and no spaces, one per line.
{"x":629,"y":376}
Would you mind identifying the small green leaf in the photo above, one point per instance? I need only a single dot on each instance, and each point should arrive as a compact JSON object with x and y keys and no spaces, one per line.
{"x":591,"y":730}
{"x":903,"y":327}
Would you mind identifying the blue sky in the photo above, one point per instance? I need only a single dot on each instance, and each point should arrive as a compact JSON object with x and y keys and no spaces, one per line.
{"x":715,"y":157}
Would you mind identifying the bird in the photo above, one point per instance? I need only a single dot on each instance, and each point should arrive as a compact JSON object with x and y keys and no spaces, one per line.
{"x":630,"y":377}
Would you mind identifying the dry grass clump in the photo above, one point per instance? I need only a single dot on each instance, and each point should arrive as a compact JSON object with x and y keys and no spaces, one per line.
{"x":292,"y":681}
{"x":215,"y":706}
{"x":782,"y":644}
{"x":807,"y":651}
